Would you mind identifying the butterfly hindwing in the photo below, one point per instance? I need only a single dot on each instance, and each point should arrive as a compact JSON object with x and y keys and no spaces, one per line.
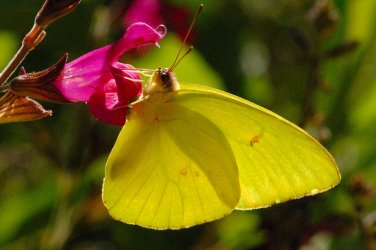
{"x":160,"y":176}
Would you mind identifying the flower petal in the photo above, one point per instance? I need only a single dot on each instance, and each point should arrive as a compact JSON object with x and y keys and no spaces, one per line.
{"x":111,"y":104}
{"x":137,"y":34}
{"x":98,"y":106}
{"x":88,"y":74}
{"x":128,"y":84}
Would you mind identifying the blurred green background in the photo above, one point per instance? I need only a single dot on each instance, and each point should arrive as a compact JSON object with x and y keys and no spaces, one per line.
{"x":313,"y":62}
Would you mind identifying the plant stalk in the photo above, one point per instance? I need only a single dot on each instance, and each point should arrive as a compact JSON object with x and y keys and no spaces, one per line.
{"x":32,"y":39}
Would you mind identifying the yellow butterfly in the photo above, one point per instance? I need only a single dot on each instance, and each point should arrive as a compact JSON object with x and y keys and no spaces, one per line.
{"x":191,"y":154}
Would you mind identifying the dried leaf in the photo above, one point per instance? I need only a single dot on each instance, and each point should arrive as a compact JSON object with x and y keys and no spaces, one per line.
{"x":39,"y":85}
{"x":14,"y":108}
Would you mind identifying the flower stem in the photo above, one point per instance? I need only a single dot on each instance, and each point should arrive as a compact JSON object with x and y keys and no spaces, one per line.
{"x":4,"y":87}
{"x":32,"y":39}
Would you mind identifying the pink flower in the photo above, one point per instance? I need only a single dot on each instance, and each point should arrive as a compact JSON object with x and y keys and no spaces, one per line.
{"x":154,"y":12}
{"x":98,"y":79}
{"x":147,"y":11}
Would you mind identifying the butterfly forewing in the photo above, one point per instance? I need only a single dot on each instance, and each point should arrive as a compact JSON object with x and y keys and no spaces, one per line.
{"x":276,"y":160}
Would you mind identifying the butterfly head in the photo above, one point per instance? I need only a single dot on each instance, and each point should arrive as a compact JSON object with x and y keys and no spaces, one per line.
{"x":162,"y":80}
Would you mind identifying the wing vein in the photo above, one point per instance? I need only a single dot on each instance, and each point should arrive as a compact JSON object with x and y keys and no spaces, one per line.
{"x":198,"y":194}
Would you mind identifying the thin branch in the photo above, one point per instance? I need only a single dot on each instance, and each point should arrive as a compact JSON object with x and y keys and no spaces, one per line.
{"x":34,"y":37}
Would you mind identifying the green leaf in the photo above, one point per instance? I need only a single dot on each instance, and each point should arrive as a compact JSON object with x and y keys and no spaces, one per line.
{"x":17,"y":209}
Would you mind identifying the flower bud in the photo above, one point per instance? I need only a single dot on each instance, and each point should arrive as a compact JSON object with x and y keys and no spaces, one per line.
{"x":54,"y":9}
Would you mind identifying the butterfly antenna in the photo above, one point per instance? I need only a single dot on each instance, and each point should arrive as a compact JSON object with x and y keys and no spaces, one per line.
{"x":176,"y":61}
{"x":181,"y":58}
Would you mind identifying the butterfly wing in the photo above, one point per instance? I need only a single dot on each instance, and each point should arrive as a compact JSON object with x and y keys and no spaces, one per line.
{"x":170,"y":168}
{"x":277,"y":161}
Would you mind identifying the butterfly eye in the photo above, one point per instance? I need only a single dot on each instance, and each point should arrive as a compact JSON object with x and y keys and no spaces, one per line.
{"x":164,"y":71}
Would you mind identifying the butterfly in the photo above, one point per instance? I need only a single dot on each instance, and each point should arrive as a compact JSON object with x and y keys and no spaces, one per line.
{"x":191,"y":154}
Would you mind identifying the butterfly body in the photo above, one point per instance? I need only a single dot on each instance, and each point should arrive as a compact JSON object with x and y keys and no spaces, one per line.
{"x":191,"y":154}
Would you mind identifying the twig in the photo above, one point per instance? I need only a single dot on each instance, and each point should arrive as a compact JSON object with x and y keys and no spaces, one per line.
{"x":33,"y":38}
